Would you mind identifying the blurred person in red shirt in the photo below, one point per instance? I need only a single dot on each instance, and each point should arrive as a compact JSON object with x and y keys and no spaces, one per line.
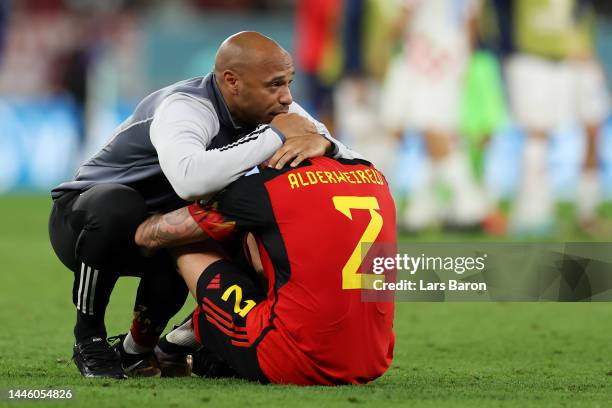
{"x":317,"y":24}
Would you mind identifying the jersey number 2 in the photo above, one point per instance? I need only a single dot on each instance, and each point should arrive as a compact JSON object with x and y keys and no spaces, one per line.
{"x":351,"y":279}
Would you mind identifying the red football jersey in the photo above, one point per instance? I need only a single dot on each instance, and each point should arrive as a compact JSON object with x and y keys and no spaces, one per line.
{"x":311,"y":223}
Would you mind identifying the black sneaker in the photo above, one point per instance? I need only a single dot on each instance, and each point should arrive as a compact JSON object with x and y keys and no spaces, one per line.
{"x":96,"y":359}
{"x":209,"y":365}
{"x":135,"y":365}
{"x":173,"y":360}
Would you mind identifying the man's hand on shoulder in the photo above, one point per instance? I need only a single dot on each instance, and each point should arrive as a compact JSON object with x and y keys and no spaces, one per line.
{"x":302,"y":141}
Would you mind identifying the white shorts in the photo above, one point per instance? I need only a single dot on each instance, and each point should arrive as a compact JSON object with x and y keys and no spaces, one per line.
{"x":415,"y":100}
{"x":547,"y":94}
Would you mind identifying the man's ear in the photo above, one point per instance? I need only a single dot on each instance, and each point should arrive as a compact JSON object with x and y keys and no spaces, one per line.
{"x":232,"y":80}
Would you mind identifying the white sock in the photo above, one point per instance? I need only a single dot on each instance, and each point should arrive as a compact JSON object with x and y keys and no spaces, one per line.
{"x":131,"y":347}
{"x":588,"y":195}
{"x":469,"y":203}
{"x":422,"y":210}
{"x":183,"y":336}
{"x":534,"y":204}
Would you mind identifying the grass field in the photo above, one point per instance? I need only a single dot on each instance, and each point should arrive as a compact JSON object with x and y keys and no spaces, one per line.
{"x":447,"y":354}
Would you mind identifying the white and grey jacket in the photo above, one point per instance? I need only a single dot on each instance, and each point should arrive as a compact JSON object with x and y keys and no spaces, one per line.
{"x":182,"y":144}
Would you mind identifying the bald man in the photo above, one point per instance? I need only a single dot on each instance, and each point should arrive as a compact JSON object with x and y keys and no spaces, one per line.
{"x":182,"y":143}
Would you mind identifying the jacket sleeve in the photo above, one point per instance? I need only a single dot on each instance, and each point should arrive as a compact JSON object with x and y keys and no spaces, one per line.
{"x":182,"y":129}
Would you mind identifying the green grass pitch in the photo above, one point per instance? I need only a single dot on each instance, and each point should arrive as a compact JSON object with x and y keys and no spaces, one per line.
{"x":447,"y":354}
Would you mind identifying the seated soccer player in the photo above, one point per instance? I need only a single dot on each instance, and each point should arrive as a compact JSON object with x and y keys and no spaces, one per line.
{"x":310,"y":325}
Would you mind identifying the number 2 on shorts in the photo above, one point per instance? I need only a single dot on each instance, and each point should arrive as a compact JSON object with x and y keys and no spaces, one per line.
{"x":241,"y":311}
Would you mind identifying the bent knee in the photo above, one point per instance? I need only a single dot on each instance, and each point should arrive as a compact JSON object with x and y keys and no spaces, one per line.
{"x":113,"y":204}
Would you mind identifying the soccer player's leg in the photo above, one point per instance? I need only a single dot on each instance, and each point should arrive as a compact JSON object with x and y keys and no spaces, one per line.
{"x":174,"y":351}
{"x":92,"y":234}
{"x":161,"y":294}
{"x":225,"y":295}
{"x":537,"y":90}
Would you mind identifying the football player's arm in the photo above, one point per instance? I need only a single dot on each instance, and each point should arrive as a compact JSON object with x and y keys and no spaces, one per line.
{"x":173,"y":229}
{"x":181,"y":131}
{"x":473,"y":21}
{"x":241,"y":207}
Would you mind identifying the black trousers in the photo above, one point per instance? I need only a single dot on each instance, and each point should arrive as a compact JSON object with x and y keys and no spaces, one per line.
{"x":92,"y":233}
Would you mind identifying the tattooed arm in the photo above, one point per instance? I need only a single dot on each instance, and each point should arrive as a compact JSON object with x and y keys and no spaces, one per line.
{"x":168,"y":230}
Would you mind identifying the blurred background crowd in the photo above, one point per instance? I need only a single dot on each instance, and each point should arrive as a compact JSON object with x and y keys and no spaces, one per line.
{"x":483,"y":114}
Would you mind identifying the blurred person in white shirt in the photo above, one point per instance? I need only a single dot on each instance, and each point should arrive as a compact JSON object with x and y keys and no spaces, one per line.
{"x":422,"y":92}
